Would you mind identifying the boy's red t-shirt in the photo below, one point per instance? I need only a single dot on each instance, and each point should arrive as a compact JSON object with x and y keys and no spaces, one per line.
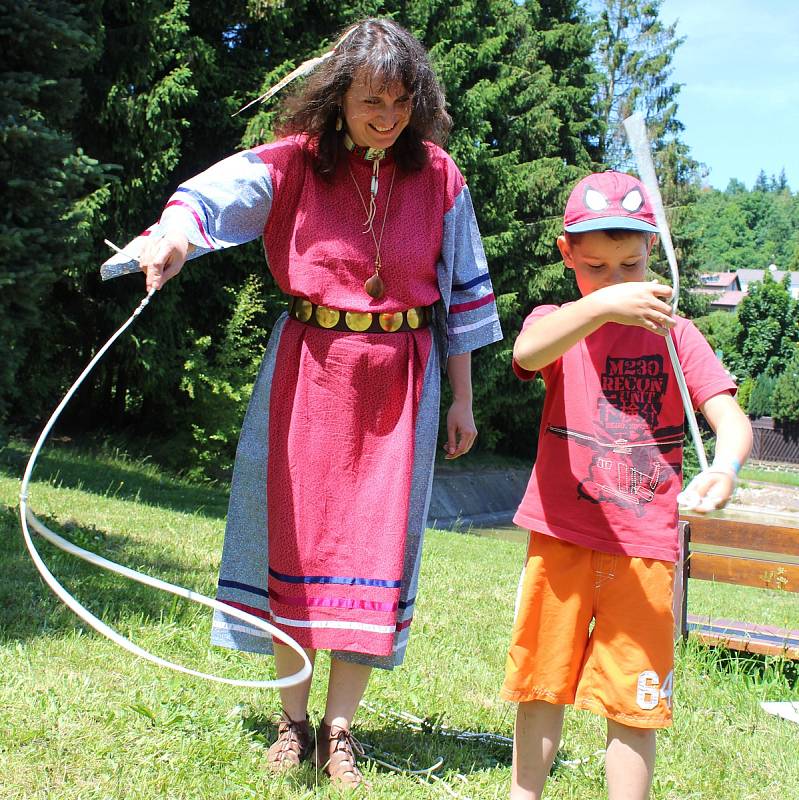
{"x":609,"y":464}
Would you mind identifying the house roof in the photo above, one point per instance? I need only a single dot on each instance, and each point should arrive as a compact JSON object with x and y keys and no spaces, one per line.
{"x":747,"y":276}
{"x":728,"y":300}
{"x":718,"y":280}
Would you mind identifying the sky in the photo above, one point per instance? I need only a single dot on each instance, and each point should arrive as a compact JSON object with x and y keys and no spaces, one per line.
{"x":739,"y":65}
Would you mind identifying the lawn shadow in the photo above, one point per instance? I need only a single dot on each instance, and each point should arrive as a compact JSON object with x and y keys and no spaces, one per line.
{"x":113,"y":477}
{"x":401,"y":745}
{"x":263,"y":729}
{"x":28,"y":608}
{"x":762,"y":670}
{"x":406,"y":747}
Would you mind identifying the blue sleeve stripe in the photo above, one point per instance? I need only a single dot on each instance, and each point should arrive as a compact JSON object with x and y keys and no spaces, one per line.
{"x":461,"y":287}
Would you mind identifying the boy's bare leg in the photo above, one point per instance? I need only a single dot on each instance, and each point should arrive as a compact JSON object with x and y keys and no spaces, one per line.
{"x":535,"y":745}
{"x":293,"y":698}
{"x":629,"y":762}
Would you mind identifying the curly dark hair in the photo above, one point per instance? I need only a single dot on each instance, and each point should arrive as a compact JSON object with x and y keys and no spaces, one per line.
{"x":389,"y":54}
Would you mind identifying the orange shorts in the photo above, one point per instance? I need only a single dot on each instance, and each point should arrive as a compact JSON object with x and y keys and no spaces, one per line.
{"x":623,"y":668}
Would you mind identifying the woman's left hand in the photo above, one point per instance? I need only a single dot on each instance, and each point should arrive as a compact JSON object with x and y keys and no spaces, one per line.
{"x":461,"y":431}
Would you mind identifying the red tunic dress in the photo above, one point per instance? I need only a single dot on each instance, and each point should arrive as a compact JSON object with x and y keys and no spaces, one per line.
{"x":341,"y":430}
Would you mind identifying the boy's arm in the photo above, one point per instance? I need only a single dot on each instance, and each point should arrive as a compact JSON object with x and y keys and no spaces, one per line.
{"x":713,"y":488}
{"x":633,"y":303}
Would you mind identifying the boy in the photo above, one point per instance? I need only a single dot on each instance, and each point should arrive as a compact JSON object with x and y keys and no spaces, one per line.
{"x":601,"y":504}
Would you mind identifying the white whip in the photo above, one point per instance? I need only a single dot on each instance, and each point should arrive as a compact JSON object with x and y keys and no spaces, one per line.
{"x":27,"y":517}
{"x":639,"y":144}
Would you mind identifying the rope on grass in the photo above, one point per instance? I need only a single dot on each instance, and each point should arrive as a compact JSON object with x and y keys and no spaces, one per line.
{"x":29,"y":520}
{"x":427,"y":776}
{"x":425,"y":726}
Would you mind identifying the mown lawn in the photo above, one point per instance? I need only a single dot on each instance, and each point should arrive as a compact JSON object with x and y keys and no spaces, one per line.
{"x":780,"y":477}
{"x":82,"y":720}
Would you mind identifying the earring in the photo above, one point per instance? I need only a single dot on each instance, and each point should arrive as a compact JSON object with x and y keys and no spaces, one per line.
{"x":339,"y":122}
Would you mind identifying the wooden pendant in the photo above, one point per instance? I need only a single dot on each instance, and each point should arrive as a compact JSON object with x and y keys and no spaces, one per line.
{"x":375,"y":287}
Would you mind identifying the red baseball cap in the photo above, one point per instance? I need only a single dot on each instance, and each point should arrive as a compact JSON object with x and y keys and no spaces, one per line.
{"x":607,"y":200}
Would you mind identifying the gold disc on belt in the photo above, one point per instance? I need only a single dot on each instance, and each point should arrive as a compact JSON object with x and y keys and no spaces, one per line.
{"x":303,"y":309}
{"x":358,"y":320}
{"x":391,"y":322}
{"x":414,"y":318}
{"x":327,"y":317}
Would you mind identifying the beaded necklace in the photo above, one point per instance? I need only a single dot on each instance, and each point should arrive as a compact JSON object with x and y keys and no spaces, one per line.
{"x":374,"y":285}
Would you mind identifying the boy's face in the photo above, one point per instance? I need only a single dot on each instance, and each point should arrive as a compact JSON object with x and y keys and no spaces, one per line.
{"x":599,"y":261}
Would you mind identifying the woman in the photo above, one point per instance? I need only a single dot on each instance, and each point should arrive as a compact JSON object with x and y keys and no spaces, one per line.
{"x":368,"y":227}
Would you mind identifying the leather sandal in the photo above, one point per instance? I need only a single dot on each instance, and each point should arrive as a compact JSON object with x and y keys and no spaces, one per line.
{"x":293,"y":744}
{"x":336,"y":749}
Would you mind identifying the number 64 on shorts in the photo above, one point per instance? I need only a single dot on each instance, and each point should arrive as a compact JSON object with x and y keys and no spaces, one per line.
{"x":650,"y":690}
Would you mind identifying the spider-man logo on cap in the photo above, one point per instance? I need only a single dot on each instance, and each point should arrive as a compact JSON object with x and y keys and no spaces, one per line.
{"x":607,"y":200}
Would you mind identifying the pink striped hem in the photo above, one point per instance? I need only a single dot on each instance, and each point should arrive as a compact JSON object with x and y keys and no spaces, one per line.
{"x":331,"y":602}
{"x":259,"y":612}
{"x":483,"y":301}
{"x":256,"y":612}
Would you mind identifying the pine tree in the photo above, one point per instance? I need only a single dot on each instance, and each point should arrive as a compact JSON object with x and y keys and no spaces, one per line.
{"x":47,"y":182}
{"x":158,"y":103}
{"x":761,"y":399}
{"x":518,"y":82}
{"x":633,"y":56}
{"x":785,"y":399}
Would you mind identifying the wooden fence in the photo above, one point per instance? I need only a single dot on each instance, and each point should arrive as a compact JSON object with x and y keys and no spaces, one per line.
{"x":775,"y":440}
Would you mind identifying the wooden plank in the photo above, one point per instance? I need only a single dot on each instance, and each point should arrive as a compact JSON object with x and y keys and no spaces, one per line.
{"x":746,"y":645}
{"x":746,"y":637}
{"x":744,"y":628}
{"x":744,"y":535}
{"x":743,"y":571}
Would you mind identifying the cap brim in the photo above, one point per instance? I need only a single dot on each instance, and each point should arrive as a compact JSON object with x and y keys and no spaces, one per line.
{"x":608,"y":223}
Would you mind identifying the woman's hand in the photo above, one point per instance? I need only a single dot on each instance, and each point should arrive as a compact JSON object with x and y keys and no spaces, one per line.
{"x":163,"y":257}
{"x":461,"y":431}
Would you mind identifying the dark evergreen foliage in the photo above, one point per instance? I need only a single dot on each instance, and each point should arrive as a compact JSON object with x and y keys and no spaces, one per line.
{"x":50,"y":188}
{"x":151,"y":88}
{"x":761,"y":397}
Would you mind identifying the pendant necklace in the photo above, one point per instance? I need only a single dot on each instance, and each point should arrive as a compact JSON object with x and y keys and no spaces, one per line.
{"x":374,"y":285}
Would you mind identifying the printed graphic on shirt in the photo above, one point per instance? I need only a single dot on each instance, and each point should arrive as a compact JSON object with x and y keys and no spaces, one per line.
{"x":628,"y":462}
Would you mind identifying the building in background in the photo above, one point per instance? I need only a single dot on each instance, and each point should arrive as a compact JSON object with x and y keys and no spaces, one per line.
{"x":729,"y":288}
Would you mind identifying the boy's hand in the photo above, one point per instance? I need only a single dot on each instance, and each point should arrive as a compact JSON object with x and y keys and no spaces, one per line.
{"x":640,"y":303}
{"x":708,"y":491}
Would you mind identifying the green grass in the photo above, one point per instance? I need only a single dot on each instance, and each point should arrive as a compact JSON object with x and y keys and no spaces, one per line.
{"x":782,"y":477}
{"x":82,"y":720}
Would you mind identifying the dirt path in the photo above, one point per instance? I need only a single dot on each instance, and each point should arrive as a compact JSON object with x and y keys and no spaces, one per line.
{"x":768,"y":496}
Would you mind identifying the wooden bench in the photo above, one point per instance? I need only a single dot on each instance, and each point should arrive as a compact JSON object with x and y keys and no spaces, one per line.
{"x":742,"y":553}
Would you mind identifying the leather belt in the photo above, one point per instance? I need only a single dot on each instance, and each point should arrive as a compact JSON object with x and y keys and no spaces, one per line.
{"x":334,"y":319}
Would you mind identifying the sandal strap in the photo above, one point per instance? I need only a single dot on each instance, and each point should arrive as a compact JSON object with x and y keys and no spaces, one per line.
{"x":342,"y":747}
{"x":293,"y":743}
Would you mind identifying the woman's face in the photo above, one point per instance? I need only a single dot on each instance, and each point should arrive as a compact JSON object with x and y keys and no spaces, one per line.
{"x":375,"y":115}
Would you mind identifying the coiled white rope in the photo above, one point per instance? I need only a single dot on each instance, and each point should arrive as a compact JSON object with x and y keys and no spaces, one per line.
{"x":28,"y":518}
